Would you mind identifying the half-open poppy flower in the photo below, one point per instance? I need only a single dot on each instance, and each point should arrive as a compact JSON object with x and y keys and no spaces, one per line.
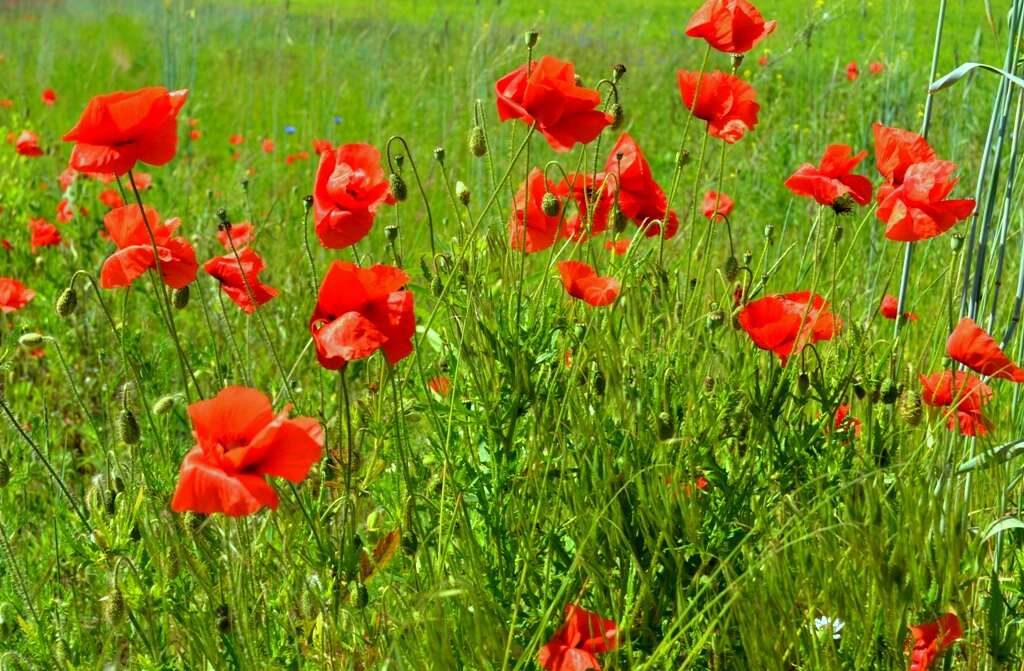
{"x":890,"y":306}
{"x":239,"y":442}
{"x":716,"y":204}
{"x":119,"y":129}
{"x":727,"y":103}
{"x":240,"y":235}
{"x":43,"y":234}
{"x":14,"y":295}
{"x":111,"y":198}
{"x":27,"y":144}
{"x":730,"y":26}
{"x":640,"y":198}
{"x":529,"y":228}
{"x":917,"y":209}
{"x":784,"y":324}
{"x":350,"y":186}
{"x":545,"y":93}
{"x":239,"y":278}
{"x":976,"y":349}
{"x":931,"y":639}
{"x":964,"y":393}
{"x":832,"y":179}
{"x":134,"y":255}
{"x":49,"y":96}
{"x":574,"y":646}
{"x":896,"y":150}
{"x":582,"y":281}
{"x":362,"y":310}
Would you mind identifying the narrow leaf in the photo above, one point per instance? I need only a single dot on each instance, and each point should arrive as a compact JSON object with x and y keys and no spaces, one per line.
{"x":961,"y":71}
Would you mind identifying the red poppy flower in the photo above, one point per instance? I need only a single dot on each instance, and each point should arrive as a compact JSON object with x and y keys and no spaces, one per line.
{"x":574,"y":645}
{"x":548,"y":96}
{"x":896,"y":150}
{"x":233,"y":274}
{"x":350,"y":186}
{"x":594,"y":197}
{"x":932,"y":639}
{"x":241,"y":235}
{"x":716,"y":203}
{"x":762,"y":60}
{"x":362,"y":310}
{"x":832,"y":178}
{"x":582,"y":281}
{"x":235,"y":140}
{"x":14,"y":295}
{"x":44,"y":234}
{"x":111,"y":198}
{"x":6,"y":244}
{"x":195,"y":134}
{"x":143,"y":180}
{"x":239,"y":442}
{"x":640,"y":198}
{"x":529,"y":229}
{"x":876,"y":68}
{"x":65,"y":212}
{"x":27,"y":144}
{"x":971,"y":346}
{"x":852,"y":71}
{"x":784,"y":324}
{"x":267,"y":145}
{"x":119,"y":129}
{"x":917,"y":209}
{"x":727,"y":103}
{"x":321,"y":146}
{"x":49,"y":96}
{"x":965,"y":393}
{"x":440,"y":385}
{"x":731,"y":26}
{"x":844,"y":423}
{"x":889,"y":307}
{"x":134,"y":255}
{"x":619,"y":247}
{"x":6,"y":103}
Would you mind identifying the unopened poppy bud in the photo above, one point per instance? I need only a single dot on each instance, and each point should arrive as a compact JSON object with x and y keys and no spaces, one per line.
{"x":391,"y":233}
{"x":889,"y":391}
{"x":549,"y":204}
{"x":683,"y":158}
{"x":731,"y":269}
{"x":113,"y":607}
{"x":179,"y":297}
{"x":222,"y":217}
{"x":618,"y":72}
{"x":462,"y":192}
{"x":737,"y":61}
{"x":910,"y":408}
{"x":439,"y":154}
{"x":618,"y":116}
{"x":530,"y":38}
{"x":837,"y":234}
{"x":619,"y":220}
{"x":803,"y":384}
{"x":666,"y":427}
{"x":436,"y":286}
{"x":477,"y":141}
{"x":425,"y":268}
{"x":31,"y":340}
{"x":164,"y":404}
{"x":714,"y":318}
{"x":858,"y":387}
{"x":128,"y":427}
{"x":307,"y":203}
{"x":360,"y":596}
{"x":67,"y":302}
{"x":748,"y":256}
{"x":398,"y":188}
{"x":5,"y":473}
{"x":956,"y":242}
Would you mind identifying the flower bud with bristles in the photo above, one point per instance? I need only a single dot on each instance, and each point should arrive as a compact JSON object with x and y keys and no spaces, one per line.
{"x":67,"y":302}
{"x":530,"y":38}
{"x":360,"y":596}
{"x":398,"y":187}
{"x":439,"y":154}
{"x":179,"y":297}
{"x":618,"y":116}
{"x":731,"y":269}
{"x":165,"y":404}
{"x":618,"y":72}
{"x":391,"y":233}
{"x":910,"y":408}
{"x":549,"y":204}
{"x":307,"y":203}
{"x":31,"y":340}
{"x":477,"y":141}
{"x":666,"y":427}
{"x":889,"y":391}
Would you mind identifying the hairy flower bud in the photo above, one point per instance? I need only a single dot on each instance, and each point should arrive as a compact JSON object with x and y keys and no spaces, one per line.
{"x":67,"y":302}
{"x":477,"y":141}
{"x":550,"y":205}
{"x":391,"y":233}
{"x":165,"y":404}
{"x":889,"y":391}
{"x":666,"y":427}
{"x":618,"y":72}
{"x":31,"y":340}
{"x":398,"y":187}
{"x":360,"y":596}
{"x":439,"y":154}
{"x":307,"y":203}
{"x":179,"y":297}
{"x":618,"y":116}
{"x":910,"y":408}
{"x":731,"y":269}
{"x":113,"y":607}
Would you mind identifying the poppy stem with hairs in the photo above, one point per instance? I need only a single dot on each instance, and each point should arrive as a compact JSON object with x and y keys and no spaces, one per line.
{"x":677,"y":173}
{"x":166,"y":309}
{"x":348,"y":519}
{"x":706,"y":244}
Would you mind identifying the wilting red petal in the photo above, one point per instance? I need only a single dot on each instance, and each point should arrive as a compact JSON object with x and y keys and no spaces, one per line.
{"x":727,"y":103}
{"x":716,"y":203}
{"x":573,"y":646}
{"x":785,"y":324}
{"x":976,"y":349}
{"x":897,"y":149}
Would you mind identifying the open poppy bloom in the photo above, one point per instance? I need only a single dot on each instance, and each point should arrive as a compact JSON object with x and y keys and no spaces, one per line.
{"x":235,"y":139}
{"x":574,"y":645}
{"x":852,"y":71}
{"x":932,"y":639}
{"x":917,"y":209}
{"x":545,"y":93}
{"x":49,"y":97}
{"x":134,"y":255}
{"x":350,"y":185}
{"x":640,"y":198}
{"x":111,"y":198}
{"x":239,"y":442}
{"x":832,"y":178}
{"x":233,"y":274}
{"x":594,"y":200}
{"x":43,"y":234}
{"x":362,"y":310}
{"x":976,"y":349}
{"x":14,"y":295}
{"x":529,"y":229}
{"x":119,"y":129}
{"x":876,"y":68}
{"x":730,"y":26}
{"x":896,"y":150}
{"x":716,"y":204}
{"x":964,"y":393}
{"x":890,"y":306}
{"x":27,"y":144}
{"x":240,"y":235}
{"x":784,"y":324}
{"x":582,"y":281}
{"x":727,"y":103}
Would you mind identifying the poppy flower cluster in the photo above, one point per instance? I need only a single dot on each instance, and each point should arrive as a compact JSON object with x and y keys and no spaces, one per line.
{"x":126,"y":227}
{"x":970,"y":345}
{"x":350,"y":186}
{"x":577,"y":642}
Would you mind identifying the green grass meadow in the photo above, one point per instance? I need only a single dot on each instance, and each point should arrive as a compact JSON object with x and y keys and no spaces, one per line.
{"x":561,"y":467}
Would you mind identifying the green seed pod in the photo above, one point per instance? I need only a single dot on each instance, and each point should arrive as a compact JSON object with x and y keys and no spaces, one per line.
{"x":550,"y":205}
{"x":398,"y":188}
{"x":67,"y":302}
{"x":530,"y":38}
{"x":477,"y":141}
{"x":128,"y":427}
{"x":5,"y":473}
{"x":666,"y":427}
{"x":619,"y":220}
{"x":437,"y":286}
{"x":462,"y":192}
{"x":731,"y":269}
{"x":910,"y":408}
{"x":31,"y":340}
{"x":165,"y":404}
{"x":618,"y":116}
{"x":889,"y":392}
{"x":748,"y":256}
{"x":179,"y":298}
{"x":307,"y":203}
{"x":714,"y":318}
{"x":113,"y":607}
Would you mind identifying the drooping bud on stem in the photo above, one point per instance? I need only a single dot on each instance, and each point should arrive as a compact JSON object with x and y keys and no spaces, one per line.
{"x":549,"y":204}
{"x":179,"y":297}
{"x":31,"y":340}
{"x":67,"y":302}
{"x":398,"y":187}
